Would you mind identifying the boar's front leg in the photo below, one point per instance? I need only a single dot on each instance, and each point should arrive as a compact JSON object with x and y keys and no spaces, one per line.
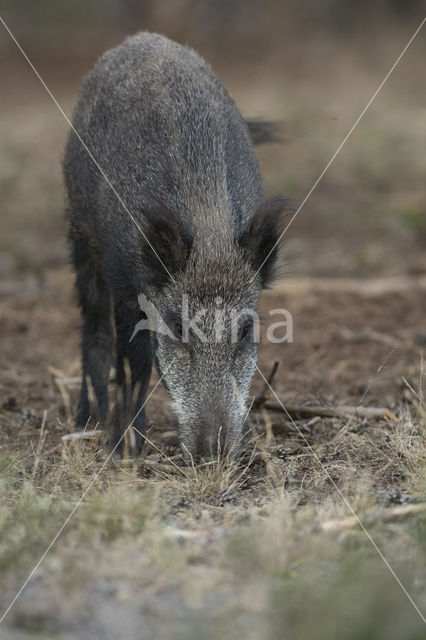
{"x":134,"y":364}
{"x":97,"y":334}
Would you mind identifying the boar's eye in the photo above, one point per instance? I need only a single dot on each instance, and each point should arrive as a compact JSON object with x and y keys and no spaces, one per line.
{"x":177,"y":329}
{"x":174,"y":324}
{"x":244,"y":332}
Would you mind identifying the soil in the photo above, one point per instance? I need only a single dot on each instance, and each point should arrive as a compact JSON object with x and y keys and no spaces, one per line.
{"x":354,"y":342}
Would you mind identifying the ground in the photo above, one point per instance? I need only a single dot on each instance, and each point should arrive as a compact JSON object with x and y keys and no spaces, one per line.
{"x":150,"y":551}
{"x":270,"y":547}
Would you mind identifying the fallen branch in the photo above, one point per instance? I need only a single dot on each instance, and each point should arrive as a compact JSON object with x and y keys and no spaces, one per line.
{"x":265,"y":394}
{"x":83,"y":435}
{"x":378,"y":515}
{"x":303,"y":411}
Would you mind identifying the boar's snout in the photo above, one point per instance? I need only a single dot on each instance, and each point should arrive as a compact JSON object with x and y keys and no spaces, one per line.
{"x":211,"y":445}
{"x":212,"y":438}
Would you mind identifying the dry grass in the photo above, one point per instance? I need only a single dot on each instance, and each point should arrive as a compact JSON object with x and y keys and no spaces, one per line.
{"x":228,"y":547}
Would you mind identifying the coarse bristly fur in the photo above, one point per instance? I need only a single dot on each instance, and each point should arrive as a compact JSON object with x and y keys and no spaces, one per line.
{"x":176,"y":149}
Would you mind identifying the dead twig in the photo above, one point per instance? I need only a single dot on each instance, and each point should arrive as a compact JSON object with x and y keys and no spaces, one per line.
{"x":83,"y":435}
{"x":265,"y":394}
{"x":302,"y":411}
{"x":376,"y":516}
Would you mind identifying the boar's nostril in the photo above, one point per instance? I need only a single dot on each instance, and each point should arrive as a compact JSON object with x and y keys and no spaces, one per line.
{"x":205,"y":447}
{"x":211,"y":442}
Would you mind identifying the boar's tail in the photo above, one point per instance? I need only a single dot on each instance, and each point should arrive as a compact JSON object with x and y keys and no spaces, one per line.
{"x":264,"y":131}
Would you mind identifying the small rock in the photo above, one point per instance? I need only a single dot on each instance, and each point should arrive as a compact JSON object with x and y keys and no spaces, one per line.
{"x":281,"y":453}
{"x":183,"y":502}
{"x":31,"y":417}
{"x":227,"y":496}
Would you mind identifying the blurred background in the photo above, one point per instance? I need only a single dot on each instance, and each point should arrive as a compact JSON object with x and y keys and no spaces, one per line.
{"x":311,"y":65}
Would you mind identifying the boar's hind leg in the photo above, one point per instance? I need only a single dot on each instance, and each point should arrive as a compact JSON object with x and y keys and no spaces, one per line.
{"x":97,"y":335}
{"x":134,"y":364}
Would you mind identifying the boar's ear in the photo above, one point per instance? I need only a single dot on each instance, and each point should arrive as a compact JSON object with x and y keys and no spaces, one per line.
{"x":168,"y":242}
{"x":260,"y":239}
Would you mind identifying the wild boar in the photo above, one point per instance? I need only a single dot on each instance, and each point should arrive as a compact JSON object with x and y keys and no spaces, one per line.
{"x":165,"y":202}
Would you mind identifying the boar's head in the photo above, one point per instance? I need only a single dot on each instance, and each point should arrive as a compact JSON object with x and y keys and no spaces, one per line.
{"x":206,"y":293}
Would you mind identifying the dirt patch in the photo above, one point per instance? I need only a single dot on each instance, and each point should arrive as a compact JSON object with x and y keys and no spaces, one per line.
{"x":352,"y":345}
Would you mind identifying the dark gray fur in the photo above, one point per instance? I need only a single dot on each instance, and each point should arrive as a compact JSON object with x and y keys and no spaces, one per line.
{"x":179,"y":154}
